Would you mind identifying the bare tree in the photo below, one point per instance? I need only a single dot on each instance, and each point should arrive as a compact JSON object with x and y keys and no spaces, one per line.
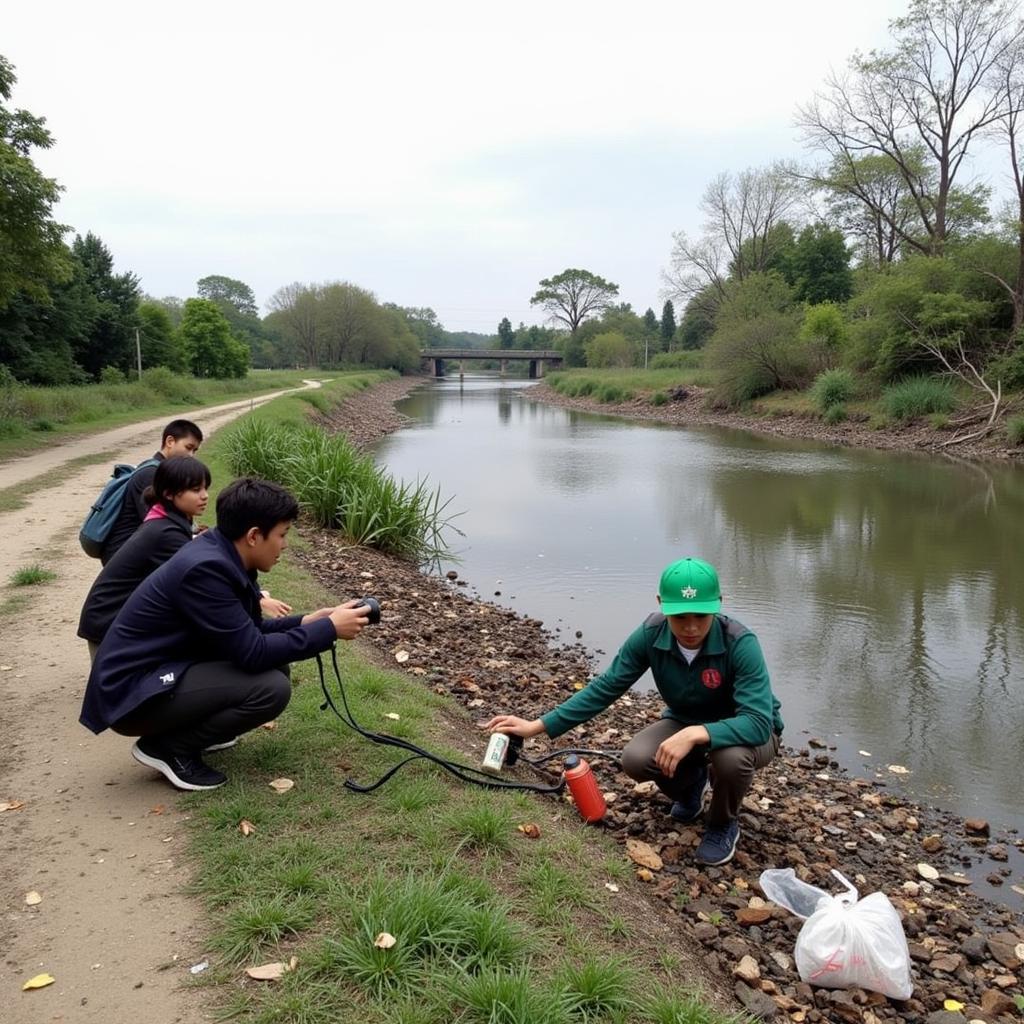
{"x":930,"y":94}
{"x":742,"y":215}
{"x":296,"y":309}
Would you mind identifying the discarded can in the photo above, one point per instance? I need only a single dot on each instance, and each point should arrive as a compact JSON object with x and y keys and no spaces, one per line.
{"x":497,"y":749}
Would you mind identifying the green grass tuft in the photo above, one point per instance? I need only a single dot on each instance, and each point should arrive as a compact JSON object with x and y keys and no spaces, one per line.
{"x":31,"y":575}
{"x":918,"y":396}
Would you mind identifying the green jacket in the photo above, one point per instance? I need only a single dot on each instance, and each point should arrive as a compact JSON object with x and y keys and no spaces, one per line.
{"x":726,"y":689}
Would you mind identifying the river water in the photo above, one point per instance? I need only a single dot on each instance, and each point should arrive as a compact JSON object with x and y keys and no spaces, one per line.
{"x":887,"y":590}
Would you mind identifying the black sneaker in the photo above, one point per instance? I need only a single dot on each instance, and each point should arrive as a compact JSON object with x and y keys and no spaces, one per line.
{"x":220,"y":746}
{"x":691,"y":806}
{"x":718,"y":845}
{"x":181,"y":772}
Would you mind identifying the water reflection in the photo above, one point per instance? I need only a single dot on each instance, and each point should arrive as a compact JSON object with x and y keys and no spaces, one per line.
{"x":883,"y":587}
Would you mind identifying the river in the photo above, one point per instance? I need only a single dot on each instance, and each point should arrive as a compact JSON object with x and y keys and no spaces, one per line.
{"x":887,"y":590}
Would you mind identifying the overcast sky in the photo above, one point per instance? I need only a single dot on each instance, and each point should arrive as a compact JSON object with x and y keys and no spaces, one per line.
{"x":447,"y":155}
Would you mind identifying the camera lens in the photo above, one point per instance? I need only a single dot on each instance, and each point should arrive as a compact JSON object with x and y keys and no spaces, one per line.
{"x":374,"y":605}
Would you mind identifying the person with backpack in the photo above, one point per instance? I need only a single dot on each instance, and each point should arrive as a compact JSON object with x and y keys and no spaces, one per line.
{"x":179,"y":437}
{"x":189,"y":664}
{"x":176,"y":497}
{"x":720,"y":710}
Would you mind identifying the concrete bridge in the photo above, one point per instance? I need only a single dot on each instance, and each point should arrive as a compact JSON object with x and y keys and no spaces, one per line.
{"x":433,"y":359}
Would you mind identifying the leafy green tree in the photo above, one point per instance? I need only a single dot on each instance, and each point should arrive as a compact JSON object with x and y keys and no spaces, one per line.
{"x":651,"y":324}
{"x":32,"y":252}
{"x":111,"y":340}
{"x":667,"y":325}
{"x":818,"y":266}
{"x":205,"y":336}
{"x":609,"y":348}
{"x":227,"y":291}
{"x":423,"y":322}
{"x":755,"y":347}
{"x":573,"y":295}
{"x":157,"y":339}
{"x":506,"y":335}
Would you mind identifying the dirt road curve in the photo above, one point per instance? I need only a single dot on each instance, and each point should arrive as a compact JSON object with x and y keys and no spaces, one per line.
{"x":97,"y":836}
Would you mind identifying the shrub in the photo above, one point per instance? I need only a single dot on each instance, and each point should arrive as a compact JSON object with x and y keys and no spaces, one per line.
{"x":834,"y":414}
{"x":1015,"y":430}
{"x":112,"y":375}
{"x":918,"y":396}
{"x":659,"y":398}
{"x":612,"y":393}
{"x":833,"y":387}
{"x":684,"y":360}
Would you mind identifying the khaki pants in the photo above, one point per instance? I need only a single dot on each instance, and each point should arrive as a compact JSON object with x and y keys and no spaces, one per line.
{"x":732,"y":769}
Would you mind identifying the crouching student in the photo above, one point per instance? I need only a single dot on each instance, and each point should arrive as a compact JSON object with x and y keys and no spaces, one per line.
{"x":721,"y":712}
{"x":189,"y":664}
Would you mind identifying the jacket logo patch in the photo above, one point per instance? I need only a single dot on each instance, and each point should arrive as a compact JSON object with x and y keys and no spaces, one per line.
{"x":167,"y":679}
{"x":711,"y":678}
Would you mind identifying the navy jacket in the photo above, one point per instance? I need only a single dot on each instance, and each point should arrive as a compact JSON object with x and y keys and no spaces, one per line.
{"x":200,"y":606}
{"x":152,"y":544}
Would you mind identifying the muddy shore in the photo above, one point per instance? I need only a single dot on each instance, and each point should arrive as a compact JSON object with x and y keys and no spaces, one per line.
{"x":690,"y":409}
{"x":804,"y":811}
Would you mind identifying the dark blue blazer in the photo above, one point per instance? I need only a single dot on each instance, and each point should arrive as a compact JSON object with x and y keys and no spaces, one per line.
{"x":200,"y":606}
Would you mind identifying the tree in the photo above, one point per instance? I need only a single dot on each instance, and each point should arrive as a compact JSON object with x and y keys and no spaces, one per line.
{"x":929,"y":95}
{"x":111,"y":340}
{"x":667,"y":327}
{"x":818,"y":267}
{"x":423,"y":322}
{"x":609,"y":348}
{"x":742,"y":215}
{"x":226,"y":291}
{"x":650,"y":322}
{"x":157,"y":340}
{"x":32,"y":252}
{"x":206,"y":339}
{"x":506,"y":335}
{"x":294,"y":312}
{"x":571,"y":296}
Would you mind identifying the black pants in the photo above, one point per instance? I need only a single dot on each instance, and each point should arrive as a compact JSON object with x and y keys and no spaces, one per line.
{"x":214,"y":702}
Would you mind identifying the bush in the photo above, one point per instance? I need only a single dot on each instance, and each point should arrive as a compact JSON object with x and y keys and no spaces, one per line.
{"x":659,"y":398}
{"x":685,"y":360}
{"x":834,"y":414}
{"x":918,"y":396}
{"x":612,"y":393}
{"x":833,"y":387}
{"x":1015,"y":430}
{"x":112,"y":375}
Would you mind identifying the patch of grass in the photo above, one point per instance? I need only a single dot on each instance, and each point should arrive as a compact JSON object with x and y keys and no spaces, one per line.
{"x":918,"y":396}
{"x":596,"y":989}
{"x":1015,"y":435}
{"x":511,"y":997}
{"x":659,"y":398}
{"x":258,"y":921}
{"x":833,"y":388}
{"x":484,"y":823}
{"x":834,"y":414}
{"x":30,"y":575}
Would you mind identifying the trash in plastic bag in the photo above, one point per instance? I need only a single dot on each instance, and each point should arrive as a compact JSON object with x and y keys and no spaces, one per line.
{"x":844,"y":942}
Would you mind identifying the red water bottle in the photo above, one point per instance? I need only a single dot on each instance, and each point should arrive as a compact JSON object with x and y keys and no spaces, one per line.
{"x":579,"y":777}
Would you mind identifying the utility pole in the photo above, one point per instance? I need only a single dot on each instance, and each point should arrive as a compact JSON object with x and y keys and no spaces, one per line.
{"x":138,"y":351}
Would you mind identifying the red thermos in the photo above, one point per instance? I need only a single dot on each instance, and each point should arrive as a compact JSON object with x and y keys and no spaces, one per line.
{"x":581,"y":782}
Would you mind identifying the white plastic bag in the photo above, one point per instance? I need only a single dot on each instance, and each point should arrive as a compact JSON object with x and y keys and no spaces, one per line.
{"x":845,"y":942}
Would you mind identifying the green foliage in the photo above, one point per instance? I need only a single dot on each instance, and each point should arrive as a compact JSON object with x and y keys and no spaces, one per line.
{"x":824,"y":325}
{"x":918,"y":396}
{"x":112,"y":375}
{"x":206,"y":340}
{"x":667,"y":325}
{"x":1015,"y":430}
{"x":597,"y":989}
{"x":608,"y":349}
{"x":680,"y":360}
{"x":834,"y":414}
{"x":833,"y":388}
{"x":612,"y":394}
{"x":510,"y":997}
{"x":32,"y":252}
{"x":573,"y":295}
{"x":659,"y":398}
{"x":342,"y":488}
{"x":506,"y":335}
{"x":157,"y":339}
{"x":818,"y":266}
{"x":651,"y":322}
{"x":31,"y":575}
{"x":755,"y":348}
{"x":1008,"y":368}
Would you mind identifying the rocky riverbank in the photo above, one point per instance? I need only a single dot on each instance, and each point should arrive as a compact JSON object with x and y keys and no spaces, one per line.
{"x":804,"y":811}
{"x":688,"y":407}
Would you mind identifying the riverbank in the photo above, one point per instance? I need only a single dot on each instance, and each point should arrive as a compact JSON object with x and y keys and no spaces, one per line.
{"x":688,"y":407}
{"x":804,"y":811}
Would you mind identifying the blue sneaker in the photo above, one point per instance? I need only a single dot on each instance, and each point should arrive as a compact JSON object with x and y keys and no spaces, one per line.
{"x":718,"y":844}
{"x":689,"y":808}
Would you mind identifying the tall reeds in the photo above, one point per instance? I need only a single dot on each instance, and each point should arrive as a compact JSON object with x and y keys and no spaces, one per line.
{"x":343,"y":489}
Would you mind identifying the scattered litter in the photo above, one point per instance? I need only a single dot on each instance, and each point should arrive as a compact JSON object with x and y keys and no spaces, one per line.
{"x":33,"y":899}
{"x":385,"y":940}
{"x":12,"y":805}
{"x":281,"y":785}
{"x":611,"y":886}
{"x":392,"y":716}
{"x":39,"y":981}
{"x":402,"y":656}
{"x":246,"y":827}
{"x":927,"y":871}
{"x":530,"y":830}
{"x":267,"y":972}
{"x":269,"y":726}
{"x":199,"y":968}
{"x":864,"y":753}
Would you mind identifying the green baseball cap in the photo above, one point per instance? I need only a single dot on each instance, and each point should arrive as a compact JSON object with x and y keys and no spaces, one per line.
{"x":690,"y":586}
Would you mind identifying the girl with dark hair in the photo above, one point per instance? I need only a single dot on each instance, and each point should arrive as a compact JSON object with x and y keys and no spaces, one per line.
{"x":177,"y":496}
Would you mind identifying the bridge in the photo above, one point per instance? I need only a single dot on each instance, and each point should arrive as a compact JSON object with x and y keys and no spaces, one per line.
{"x":434,"y":359}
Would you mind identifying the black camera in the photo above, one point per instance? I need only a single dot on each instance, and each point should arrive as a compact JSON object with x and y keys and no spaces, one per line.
{"x":374,"y":605}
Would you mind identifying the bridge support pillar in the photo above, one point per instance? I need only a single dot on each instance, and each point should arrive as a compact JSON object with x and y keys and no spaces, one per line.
{"x":462,"y":369}
{"x":533,"y":369}
{"x":438,"y":367}
{"x":504,"y":367}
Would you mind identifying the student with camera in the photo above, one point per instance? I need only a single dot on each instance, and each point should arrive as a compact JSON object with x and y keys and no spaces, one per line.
{"x":720,"y":711}
{"x":189,"y":663}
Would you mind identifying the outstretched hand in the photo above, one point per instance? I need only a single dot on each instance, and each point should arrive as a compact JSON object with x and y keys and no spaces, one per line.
{"x":511,"y":725}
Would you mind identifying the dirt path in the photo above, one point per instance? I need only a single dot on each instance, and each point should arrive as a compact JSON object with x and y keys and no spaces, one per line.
{"x":97,"y":836}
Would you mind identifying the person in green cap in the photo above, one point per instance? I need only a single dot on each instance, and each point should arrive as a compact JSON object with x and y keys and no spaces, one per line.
{"x":720,"y":709}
